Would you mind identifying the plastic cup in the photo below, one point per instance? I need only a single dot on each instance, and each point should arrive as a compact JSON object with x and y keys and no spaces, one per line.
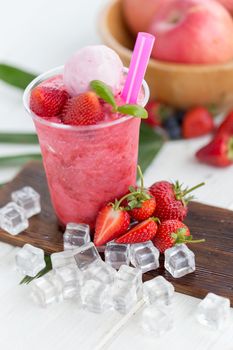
{"x":86,"y":166}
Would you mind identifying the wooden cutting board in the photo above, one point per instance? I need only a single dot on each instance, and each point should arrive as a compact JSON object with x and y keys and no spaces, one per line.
{"x":214,"y":258}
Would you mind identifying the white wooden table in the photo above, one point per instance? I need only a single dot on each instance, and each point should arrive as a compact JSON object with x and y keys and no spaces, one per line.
{"x":39,"y":35}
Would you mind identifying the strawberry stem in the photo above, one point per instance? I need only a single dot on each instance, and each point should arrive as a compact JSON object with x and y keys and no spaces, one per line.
{"x":181,"y":194}
{"x":193,"y":188}
{"x":118,"y":203}
{"x":141,"y":177}
{"x":196,"y":241}
{"x":180,"y":236}
{"x":136,"y":195}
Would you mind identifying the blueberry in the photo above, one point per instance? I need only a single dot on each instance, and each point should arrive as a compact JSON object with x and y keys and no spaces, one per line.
{"x":172,"y":127}
{"x":179,"y":115}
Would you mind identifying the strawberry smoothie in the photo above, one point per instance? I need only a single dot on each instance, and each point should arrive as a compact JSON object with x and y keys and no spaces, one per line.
{"x":87,"y":166}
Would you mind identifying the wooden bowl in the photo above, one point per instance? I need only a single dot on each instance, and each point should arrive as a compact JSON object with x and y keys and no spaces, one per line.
{"x":179,"y":85}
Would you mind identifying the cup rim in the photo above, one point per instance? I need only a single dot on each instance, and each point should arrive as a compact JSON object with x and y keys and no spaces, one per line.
{"x":59,"y":70}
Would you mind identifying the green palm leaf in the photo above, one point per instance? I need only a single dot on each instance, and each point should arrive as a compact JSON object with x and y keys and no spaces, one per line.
{"x":21,"y":138}
{"x":15,"y":76}
{"x":18,"y":159}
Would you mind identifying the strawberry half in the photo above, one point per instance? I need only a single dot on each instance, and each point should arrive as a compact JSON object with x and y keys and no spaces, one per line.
{"x":218,"y":152}
{"x":49,"y":97}
{"x":171,"y":200}
{"x":84,"y":109}
{"x":142,"y":232}
{"x":172,"y":232}
{"x":112,"y":221}
{"x":226,"y":127}
{"x":197,"y":121}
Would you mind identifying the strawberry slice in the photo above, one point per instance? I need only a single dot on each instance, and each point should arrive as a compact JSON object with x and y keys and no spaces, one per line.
{"x":84,"y":109}
{"x":218,"y":152}
{"x":112,"y":221}
{"x":49,"y":97}
{"x":142,"y":232}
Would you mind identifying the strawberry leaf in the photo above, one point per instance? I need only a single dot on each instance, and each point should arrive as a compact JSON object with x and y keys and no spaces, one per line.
{"x":134,"y":110}
{"x":132,"y":189}
{"x":132,"y":204}
{"x":104,"y":92}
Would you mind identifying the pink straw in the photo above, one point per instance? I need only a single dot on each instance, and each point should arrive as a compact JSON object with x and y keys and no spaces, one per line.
{"x":137,"y":68}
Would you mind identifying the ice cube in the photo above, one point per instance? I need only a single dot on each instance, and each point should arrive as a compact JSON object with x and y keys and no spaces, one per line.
{"x":44,"y":290}
{"x":63,"y":258}
{"x":76,"y":235}
{"x":101,"y":248}
{"x":13,"y":219}
{"x":158,"y":290}
{"x":95,"y":296}
{"x":117,"y":254}
{"x":124,"y":298}
{"x":145,"y":256}
{"x":130,"y":276}
{"x":28,"y":199}
{"x":30,"y":260}
{"x":213,"y":311}
{"x":179,"y":260}
{"x":156,"y":319}
{"x":100,"y":271}
{"x":68,"y":280}
{"x":86,"y":255}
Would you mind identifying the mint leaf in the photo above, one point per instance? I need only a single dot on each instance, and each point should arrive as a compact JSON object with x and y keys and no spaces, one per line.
{"x":104,"y":92}
{"x":134,"y":110}
{"x":15,"y":76}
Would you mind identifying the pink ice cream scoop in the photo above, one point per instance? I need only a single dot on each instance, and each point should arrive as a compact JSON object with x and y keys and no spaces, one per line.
{"x":91,"y":63}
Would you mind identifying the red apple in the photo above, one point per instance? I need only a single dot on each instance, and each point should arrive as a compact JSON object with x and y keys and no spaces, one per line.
{"x":228,"y":4}
{"x":139,"y":13}
{"x":192,"y":31}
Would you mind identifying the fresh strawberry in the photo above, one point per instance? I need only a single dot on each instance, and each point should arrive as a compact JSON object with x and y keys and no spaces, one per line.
{"x":142,"y":232}
{"x":112,"y":221}
{"x":84,"y":109}
{"x":49,"y":97}
{"x":218,"y":152}
{"x":197,"y":121}
{"x":145,"y":210}
{"x":170,"y":233}
{"x":171,"y":200}
{"x":226,"y":127}
{"x":157,"y":112}
{"x":140,"y":203}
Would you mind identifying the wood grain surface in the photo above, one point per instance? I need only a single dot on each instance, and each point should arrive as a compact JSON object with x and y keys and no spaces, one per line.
{"x":214,"y":258}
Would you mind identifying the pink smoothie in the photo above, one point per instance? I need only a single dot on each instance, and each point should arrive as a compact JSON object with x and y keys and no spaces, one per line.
{"x":87,"y":166}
